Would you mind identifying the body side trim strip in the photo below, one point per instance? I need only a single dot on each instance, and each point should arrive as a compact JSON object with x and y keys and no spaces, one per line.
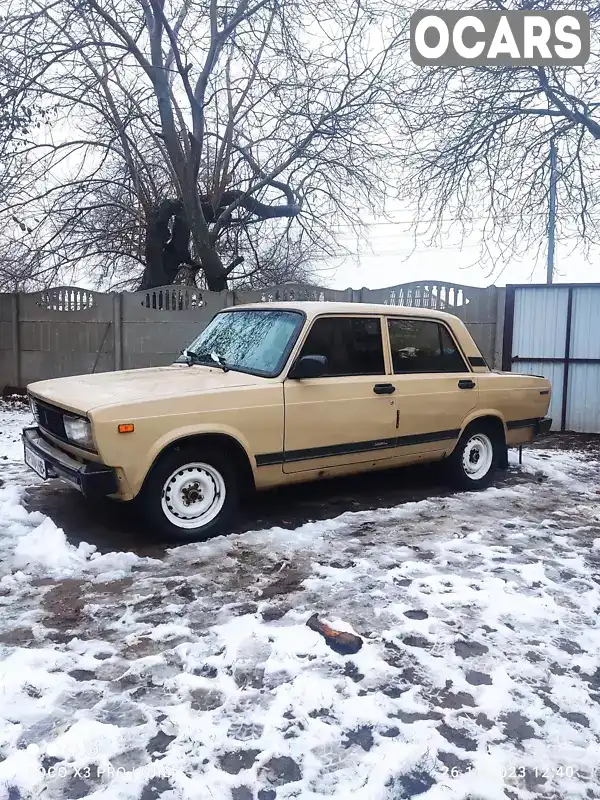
{"x":268,"y":459}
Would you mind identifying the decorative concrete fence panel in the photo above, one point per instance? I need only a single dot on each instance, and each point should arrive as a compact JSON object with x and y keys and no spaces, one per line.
{"x":157,"y":324}
{"x":294,"y":291}
{"x":64,"y":331}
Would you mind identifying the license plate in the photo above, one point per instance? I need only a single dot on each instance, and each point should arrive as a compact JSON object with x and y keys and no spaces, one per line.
{"x":36,"y":463}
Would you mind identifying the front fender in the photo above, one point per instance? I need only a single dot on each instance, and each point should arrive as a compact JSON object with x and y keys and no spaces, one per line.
{"x":180,"y":434}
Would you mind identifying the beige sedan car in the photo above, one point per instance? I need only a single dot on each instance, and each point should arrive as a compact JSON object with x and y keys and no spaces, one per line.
{"x":271,"y":394}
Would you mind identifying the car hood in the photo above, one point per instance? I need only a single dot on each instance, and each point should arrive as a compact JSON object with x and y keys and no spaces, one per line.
{"x":84,"y":393}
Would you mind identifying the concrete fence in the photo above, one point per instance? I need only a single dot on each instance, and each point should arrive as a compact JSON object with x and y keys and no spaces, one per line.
{"x":71,"y":331}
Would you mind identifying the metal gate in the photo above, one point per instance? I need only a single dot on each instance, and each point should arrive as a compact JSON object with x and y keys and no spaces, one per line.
{"x":554,"y":331}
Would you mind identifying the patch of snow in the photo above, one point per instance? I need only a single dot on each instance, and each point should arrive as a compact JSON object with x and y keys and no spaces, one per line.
{"x":45,"y":550}
{"x":13,"y":418}
{"x":32,"y":544}
{"x":163,"y":633}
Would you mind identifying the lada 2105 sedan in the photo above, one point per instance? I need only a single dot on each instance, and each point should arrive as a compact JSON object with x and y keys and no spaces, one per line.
{"x":271,"y":394}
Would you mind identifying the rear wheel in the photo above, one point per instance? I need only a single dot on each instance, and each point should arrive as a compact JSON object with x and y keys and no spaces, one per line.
{"x":475,"y":459}
{"x":191,"y":494}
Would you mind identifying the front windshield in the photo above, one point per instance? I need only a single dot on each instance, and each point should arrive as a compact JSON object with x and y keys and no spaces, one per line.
{"x":253,"y":341}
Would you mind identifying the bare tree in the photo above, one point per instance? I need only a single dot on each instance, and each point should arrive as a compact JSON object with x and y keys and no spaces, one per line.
{"x":478,"y":149}
{"x":198,"y":134}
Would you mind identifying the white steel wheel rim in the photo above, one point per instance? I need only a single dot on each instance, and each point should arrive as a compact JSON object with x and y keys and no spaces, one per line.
{"x":193,"y":495}
{"x":477,"y":456}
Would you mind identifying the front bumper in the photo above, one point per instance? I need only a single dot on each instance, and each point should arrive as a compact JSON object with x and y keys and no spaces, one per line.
{"x":543,"y":426}
{"x":93,"y":480}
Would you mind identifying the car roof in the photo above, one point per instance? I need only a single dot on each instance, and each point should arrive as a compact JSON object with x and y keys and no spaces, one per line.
{"x":315,"y":308}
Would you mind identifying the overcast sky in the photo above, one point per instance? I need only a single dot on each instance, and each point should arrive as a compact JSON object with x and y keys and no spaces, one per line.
{"x":390,"y":256}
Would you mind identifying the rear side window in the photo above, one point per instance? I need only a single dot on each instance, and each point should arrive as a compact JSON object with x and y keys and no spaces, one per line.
{"x":352,"y":345}
{"x":423,"y":346}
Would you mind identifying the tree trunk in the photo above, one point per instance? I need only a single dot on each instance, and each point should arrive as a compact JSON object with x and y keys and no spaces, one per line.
{"x":214,"y":271}
{"x":167,"y":249}
{"x":158,"y":234}
{"x":210,"y":260}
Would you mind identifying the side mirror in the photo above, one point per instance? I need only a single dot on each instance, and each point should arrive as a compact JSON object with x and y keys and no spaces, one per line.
{"x":309,"y":367}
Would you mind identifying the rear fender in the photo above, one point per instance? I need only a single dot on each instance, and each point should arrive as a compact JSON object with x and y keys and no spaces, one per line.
{"x":483,"y":415}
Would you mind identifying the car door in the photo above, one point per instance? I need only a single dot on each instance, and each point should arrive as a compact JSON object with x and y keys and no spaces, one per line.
{"x":435,"y":390}
{"x":348,"y":415}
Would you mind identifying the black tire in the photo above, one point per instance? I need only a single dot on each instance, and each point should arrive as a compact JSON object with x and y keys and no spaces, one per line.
{"x":461,"y":466}
{"x":192,"y":485}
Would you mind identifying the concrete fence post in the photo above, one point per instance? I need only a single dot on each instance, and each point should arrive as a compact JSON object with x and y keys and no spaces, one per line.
{"x":118,"y":330}
{"x":16,"y":341}
{"x":499,"y":332}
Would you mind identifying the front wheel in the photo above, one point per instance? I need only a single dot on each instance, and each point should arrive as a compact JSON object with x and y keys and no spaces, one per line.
{"x":474,"y":461}
{"x":191,"y":494}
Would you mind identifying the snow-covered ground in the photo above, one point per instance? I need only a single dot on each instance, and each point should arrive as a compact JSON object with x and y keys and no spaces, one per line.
{"x":195,"y":676}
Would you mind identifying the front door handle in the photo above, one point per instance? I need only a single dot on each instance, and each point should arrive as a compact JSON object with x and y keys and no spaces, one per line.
{"x":467,"y":384}
{"x":384,"y":388}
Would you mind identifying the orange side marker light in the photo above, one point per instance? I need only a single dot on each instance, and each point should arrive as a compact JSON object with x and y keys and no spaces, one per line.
{"x":127,"y":427}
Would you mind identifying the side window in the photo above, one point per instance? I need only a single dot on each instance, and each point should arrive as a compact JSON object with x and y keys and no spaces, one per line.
{"x":452,"y":361}
{"x":422,"y":346}
{"x":352,"y":345}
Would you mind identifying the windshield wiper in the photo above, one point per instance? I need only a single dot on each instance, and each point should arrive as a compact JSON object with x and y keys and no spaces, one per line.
{"x":192,"y":358}
{"x":218,"y":359}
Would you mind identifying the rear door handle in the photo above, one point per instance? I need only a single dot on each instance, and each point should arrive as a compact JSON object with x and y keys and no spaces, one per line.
{"x":466,"y":384}
{"x":384,"y":388}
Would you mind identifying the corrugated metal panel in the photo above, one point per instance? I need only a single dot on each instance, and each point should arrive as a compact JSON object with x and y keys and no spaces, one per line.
{"x":554,"y":373}
{"x":583,"y":398}
{"x":540,"y":322}
{"x":585,"y":323}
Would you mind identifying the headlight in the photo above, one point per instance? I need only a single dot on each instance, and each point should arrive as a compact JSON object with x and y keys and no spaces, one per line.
{"x":79,"y":431}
